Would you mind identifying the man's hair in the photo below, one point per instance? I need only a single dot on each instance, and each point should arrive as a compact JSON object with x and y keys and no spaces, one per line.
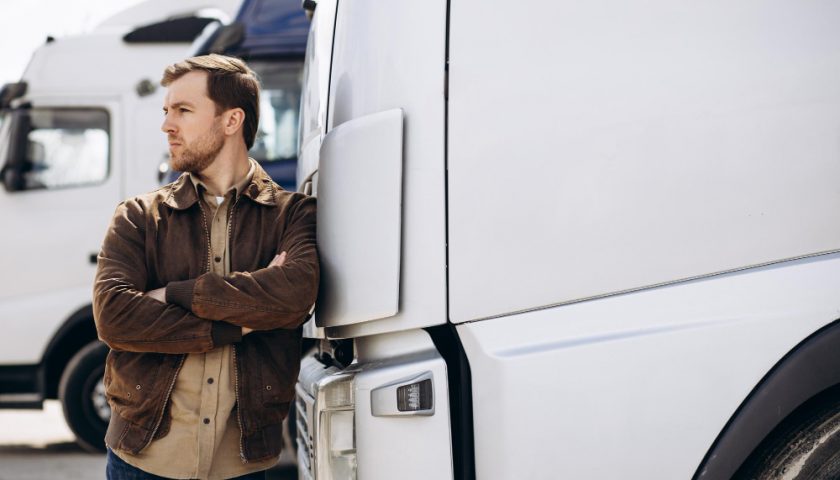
{"x":230,"y":84}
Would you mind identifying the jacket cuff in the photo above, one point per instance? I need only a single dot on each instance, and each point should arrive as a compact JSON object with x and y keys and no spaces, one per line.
{"x":180,"y":293}
{"x":224,"y":333}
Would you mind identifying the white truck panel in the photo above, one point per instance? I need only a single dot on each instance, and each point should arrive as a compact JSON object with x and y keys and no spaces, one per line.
{"x":387,"y":445}
{"x":145,"y":145}
{"x":73,"y":65}
{"x":617,"y":146}
{"x":640,"y":383}
{"x":409,"y":75}
{"x":360,"y":215}
{"x":31,"y":321}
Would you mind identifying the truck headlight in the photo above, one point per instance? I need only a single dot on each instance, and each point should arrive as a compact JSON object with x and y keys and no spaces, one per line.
{"x":336,"y":454}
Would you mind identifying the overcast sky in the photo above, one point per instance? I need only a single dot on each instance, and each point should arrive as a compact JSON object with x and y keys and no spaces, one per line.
{"x":25,"y":24}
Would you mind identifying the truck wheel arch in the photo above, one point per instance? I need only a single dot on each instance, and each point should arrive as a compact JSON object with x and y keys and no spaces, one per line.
{"x":808,"y":370}
{"x":76,"y":332}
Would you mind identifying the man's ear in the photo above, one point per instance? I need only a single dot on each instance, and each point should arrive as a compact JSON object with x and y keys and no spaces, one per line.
{"x":233,"y":120}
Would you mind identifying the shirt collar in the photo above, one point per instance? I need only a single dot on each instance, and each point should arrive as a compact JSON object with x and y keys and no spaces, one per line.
{"x":237,"y":188}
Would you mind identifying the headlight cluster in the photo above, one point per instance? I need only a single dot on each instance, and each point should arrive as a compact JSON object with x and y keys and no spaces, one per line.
{"x":336,"y":452}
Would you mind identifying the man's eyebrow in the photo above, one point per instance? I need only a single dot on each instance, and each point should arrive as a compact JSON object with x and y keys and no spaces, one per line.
{"x":179,"y":104}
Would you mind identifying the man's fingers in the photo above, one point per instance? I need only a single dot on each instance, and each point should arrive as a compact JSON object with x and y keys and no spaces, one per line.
{"x":158,"y":294}
{"x":278,"y":260}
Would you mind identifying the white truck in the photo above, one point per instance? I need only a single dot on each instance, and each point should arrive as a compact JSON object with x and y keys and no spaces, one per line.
{"x":79,"y":133}
{"x":573,"y":240}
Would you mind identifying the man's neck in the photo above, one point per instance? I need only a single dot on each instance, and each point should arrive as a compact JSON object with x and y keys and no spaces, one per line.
{"x":225,"y":172}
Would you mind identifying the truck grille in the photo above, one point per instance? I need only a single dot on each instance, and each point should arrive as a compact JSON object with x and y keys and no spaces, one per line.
{"x":304,"y":404}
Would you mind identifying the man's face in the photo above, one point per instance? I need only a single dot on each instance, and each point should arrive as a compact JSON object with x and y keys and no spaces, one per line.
{"x":193,"y":129}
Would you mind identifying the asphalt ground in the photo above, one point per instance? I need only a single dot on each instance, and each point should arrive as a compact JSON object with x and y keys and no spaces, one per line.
{"x":38,"y":445}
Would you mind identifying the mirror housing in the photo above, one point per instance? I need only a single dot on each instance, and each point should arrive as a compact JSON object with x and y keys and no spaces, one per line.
{"x":13,"y":180}
{"x":16,"y":162}
{"x":11,"y":92}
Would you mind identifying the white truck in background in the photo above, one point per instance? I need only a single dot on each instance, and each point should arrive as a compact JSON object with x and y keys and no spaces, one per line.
{"x":79,"y":133}
{"x":573,"y":240}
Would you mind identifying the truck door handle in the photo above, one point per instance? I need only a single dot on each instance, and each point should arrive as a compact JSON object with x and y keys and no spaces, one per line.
{"x":409,"y":396}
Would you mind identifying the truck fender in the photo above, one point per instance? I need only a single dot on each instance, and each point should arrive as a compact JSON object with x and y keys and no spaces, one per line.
{"x":808,"y":369}
{"x":76,"y":332}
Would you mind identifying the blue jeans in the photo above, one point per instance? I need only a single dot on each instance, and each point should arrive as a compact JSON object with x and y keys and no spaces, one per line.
{"x":117,"y":469}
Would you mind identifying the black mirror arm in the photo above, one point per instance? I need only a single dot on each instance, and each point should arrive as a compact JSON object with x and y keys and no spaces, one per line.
{"x":12,"y":179}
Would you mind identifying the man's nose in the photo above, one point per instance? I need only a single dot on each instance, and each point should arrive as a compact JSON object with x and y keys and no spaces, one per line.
{"x":167,"y":126}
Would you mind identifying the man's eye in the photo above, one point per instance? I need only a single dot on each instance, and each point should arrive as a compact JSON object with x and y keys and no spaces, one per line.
{"x":183,"y":110}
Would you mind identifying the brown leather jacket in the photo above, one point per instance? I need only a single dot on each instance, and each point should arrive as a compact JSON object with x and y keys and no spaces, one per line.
{"x":162,"y":239}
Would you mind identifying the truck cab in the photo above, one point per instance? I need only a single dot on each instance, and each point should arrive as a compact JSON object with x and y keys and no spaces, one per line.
{"x":572,"y":240}
{"x":79,"y":133}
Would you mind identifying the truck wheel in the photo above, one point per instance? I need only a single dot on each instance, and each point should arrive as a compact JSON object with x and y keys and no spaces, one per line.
{"x":82,"y":394}
{"x":806,"y":447}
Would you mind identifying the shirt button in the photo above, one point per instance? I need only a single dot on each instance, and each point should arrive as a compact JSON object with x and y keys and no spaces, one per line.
{"x":268,"y":387}
{"x":137,"y":387}
{"x":210,"y":380}
{"x":206,"y":421}
{"x":218,"y":259}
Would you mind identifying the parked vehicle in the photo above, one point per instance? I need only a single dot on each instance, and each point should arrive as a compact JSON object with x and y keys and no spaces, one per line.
{"x":79,"y":133}
{"x":573,"y":240}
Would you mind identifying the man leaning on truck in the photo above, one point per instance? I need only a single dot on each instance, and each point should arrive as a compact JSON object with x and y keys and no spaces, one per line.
{"x":201,"y":289}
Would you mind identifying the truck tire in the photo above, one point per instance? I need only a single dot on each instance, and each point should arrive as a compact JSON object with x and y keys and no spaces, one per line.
{"x":82,"y":395}
{"x":807,"y":446}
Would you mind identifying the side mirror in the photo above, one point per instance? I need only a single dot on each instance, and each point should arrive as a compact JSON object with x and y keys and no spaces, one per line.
{"x":15,"y":163}
{"x":12,"y":178}
{"x":10,"y":92}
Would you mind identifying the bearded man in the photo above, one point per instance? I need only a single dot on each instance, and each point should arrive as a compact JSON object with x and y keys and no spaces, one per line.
{"x":201,"y":290}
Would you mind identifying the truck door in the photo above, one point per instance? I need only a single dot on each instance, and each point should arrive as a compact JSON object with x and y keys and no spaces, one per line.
{"x":60,"y":187}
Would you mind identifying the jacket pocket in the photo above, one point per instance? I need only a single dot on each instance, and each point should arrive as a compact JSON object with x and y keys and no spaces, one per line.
{"x":130,"y":377}
{"x":279,"y":365}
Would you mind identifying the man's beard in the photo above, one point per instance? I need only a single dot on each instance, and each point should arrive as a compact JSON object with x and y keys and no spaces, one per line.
{"x":200,"y":154}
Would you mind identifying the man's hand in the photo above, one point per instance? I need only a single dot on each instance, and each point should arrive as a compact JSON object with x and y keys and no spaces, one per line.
{"x":278,"y":260}
{"x":158,"y":294}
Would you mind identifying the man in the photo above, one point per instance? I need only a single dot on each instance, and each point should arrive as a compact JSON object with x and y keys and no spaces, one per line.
{"x":201,"y":288}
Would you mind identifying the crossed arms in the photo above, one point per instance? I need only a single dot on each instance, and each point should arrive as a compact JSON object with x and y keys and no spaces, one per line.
{"x":200,"y":314}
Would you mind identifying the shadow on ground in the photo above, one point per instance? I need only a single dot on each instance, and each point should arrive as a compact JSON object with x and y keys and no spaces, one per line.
{"x":68,"y":460}
{"x":49,"y":449}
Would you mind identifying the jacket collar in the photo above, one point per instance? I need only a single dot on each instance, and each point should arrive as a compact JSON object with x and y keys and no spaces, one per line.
{"x":261,"y":189}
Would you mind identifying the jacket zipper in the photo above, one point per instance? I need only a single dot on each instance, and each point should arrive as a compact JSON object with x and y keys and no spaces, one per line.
{"x":183,"y":357}
{"x":238,"y":407}
{"x":165,"y":401}
{"x":207,"y":235}
{"x":235,"y":361}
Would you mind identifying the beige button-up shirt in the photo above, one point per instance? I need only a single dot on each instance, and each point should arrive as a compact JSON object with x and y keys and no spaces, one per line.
{"x":203,"y":441}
